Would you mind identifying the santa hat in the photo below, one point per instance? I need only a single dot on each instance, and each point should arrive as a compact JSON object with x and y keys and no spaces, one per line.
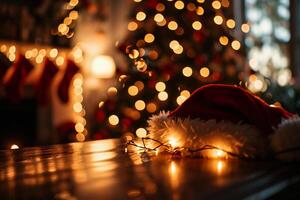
{"x":229,"y":118}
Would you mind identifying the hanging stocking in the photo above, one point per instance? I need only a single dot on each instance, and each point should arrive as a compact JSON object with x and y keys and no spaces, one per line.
{"x":15,"y":78}
{"x":44,"y":81}
{"x":63,"y":87}
{"x":4,"y":65}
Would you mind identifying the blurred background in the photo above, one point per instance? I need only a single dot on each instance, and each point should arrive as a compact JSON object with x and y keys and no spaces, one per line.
{"x":78,"y":70}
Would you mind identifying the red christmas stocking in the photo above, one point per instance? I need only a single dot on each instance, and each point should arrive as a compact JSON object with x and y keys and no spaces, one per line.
{"x":4,"y":65}
{"x":63,"y":87}
{"x":14,"y":80}
{"x":44,"y":82}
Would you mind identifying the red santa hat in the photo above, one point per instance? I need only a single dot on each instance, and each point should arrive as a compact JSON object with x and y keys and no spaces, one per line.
{"x":230,"y":118}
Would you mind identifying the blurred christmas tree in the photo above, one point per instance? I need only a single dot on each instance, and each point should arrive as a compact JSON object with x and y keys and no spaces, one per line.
{"x":173,"y":48}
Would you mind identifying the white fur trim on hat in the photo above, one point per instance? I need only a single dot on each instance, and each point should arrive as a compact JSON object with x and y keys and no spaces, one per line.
{"x":287,"y":137}
{"x":242,"y":139}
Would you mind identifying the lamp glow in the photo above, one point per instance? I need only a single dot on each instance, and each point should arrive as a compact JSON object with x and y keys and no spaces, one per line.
{"x":103,"y":67}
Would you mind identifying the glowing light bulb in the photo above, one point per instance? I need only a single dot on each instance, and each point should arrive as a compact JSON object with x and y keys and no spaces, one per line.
{"x":223,"y":40}
{"x":160,"y":86}
{"x":173,"y":142}
{"x":133,"y":90}
{"x":236,"y":45}
{"x":204,"y":71}
{"x":158,"y":17}
{"x":14,"y":146}
{"x":230,"y":23}
{"x":141,"y":132}
{"x":187,"y":71}
{"x":140,"y":105}
{"x":200,"y":10}
{"x":179,"y":5}
{"x":172,"y":25}
{"x":163,"y":96}
{"x":149,"y":38}
{"x":197,"y":25}
{"x":140,"y":16}
{"x":245,"y":28}
{"x":132,"y":26}
{"x":216,"y":5}
{"x":218,"y":19}
{"x":113,"y":120}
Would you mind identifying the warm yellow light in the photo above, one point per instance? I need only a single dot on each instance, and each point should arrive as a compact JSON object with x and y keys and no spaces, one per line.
{"x":80,"y":137}
{"x":185,"y":93}
{"x":112,"y":91}
{"x":160,"y":86}
{"x":197,"y":25}
{"x":216,"y":5}
{"x":53,"y":53}
{"x":173,"y":142}
{"x":160,"y":7}
{"x":179,"y":5}
{"x":140,"y":105}
{"x":236,"y":45}
{"x":158,"y":17}
{"x":163,"y":96}
{"x":39,"y":59}
{"x":174,"y":44}
{"x":3,"y":48}
{"x":12,"y":57}
{"x":178,"y":50}
{"x":67,"y":21}
{"x":133,"y":90}
{"x":62,"y":28}
{"x":180,"y":99}
{"x":134,"y":54}
{"x":223,"y":40}
{"x":204,"y":71}
{"x":12,"y":49}
{"x":140,"y":16}
{"x":73,"y":3}
{"x":200,"y":1}
{"x":42,"y":52}
{"x":218,"y":19}
{"x":132,"y":26}
{"x":28,"y":54}
{"x":151,"y":107}
{"x":245,"y":28}
{"x":34,"y":52}
{"x":113,"y":120}
{"x":230,"y":23}
{"x":79,"y":127}
{"x":200,"y":10}
{"x":73,"y":14}
{"x":187,"y":71}
{"x":217,"y":153}
{"x":101,"y":103}
{"x":141,"y":65}
{"x":141,"y":132}
{"x":14,"y":146}
{"x":149,"y":38}
{"x":77,"y":107}
{"x":172,"y":25}
{"x":103,"y":67}
{"x":162,"y":23}
{"x":60,"y":61}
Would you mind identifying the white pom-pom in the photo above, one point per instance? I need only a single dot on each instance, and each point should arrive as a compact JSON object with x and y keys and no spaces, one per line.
{"x":287,"y":137}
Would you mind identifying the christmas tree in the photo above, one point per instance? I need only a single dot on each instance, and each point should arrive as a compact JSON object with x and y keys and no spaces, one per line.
{"x":173,"y":47}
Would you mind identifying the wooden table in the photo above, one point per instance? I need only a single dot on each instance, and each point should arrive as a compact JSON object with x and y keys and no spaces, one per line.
{"x":102,"y":170}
